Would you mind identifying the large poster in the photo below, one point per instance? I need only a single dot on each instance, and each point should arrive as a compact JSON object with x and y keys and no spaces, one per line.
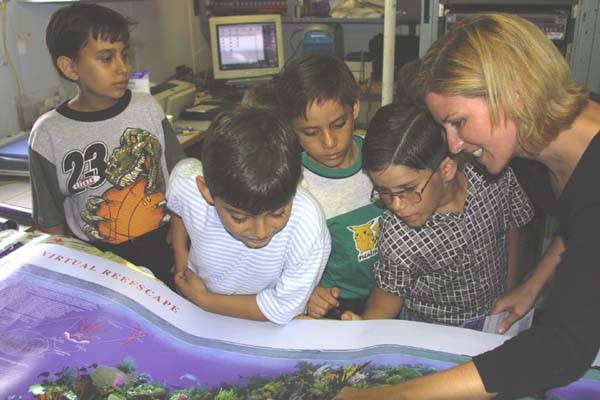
{"x":78,"y":326}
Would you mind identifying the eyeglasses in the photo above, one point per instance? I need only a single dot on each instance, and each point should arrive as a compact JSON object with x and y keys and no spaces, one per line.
{"x":406,"y":196}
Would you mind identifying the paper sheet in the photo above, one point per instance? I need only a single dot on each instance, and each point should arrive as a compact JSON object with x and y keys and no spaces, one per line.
{"x":75,"y":321}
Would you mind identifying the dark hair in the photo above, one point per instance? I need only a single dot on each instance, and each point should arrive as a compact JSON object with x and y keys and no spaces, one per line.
{"x":315,"y":77}
{"x":70,"y":28}
{"x":251,"y":159}
{"x":403,"y":135}
{"x":261,"y":95}
{"x":405,"y":90}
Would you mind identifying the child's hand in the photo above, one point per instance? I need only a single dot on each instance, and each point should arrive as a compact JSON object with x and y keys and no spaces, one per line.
{"x":191,"y":286}
{"x":322,"y":300}
{"x":517,"y":303}
{"x":350,"y":316}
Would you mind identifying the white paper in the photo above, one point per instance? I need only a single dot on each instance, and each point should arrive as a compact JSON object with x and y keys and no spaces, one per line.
{"x":492,"y":323}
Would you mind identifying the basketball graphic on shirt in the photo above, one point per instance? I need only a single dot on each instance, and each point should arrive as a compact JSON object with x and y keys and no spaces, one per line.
{"x":135,"y":205}
{"x":128,"y":213}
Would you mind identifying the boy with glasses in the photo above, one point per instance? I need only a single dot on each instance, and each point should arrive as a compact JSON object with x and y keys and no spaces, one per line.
{"x":448,"y":239}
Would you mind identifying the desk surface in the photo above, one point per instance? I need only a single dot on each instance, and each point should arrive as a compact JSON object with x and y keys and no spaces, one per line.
{"x":15,"y":199}
{"x":187,"y":140}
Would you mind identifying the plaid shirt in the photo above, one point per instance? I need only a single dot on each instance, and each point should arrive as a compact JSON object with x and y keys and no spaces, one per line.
{"x":450,"y":270}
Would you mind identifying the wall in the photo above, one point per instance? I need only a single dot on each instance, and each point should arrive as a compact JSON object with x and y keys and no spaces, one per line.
{"x":198,"y":50}
{"x":167,"y":34}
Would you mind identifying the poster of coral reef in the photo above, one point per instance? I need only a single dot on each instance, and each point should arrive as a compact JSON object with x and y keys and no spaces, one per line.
{"x":77,"y":326}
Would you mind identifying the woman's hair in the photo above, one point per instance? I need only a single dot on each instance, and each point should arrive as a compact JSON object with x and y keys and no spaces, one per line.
{"x":495,"y":55}
{"x":403,"y":135}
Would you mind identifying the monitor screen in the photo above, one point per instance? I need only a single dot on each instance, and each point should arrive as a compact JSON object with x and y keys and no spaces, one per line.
{"x":246,"y":46}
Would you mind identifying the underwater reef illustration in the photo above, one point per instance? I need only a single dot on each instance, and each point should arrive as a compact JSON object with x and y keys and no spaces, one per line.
{"x":308,"y":382}
{"x":63,"y":338}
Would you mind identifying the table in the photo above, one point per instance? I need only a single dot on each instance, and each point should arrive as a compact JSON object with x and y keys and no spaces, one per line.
{"x":188,"y":140}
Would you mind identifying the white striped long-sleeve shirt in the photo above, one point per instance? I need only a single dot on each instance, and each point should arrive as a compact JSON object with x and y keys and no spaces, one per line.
{"x":282,"y":274}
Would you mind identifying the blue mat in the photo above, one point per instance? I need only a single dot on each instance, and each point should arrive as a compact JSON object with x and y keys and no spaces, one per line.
{"x":16,"y":150}
{"x":14,"y":159}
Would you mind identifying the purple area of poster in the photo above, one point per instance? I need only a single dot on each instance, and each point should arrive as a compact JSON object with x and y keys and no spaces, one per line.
{"x":50,"y":323}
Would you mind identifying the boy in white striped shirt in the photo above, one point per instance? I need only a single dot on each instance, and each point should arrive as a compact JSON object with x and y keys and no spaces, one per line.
{"x":258,"y":242}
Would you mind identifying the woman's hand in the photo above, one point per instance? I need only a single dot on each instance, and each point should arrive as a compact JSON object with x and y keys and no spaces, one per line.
{"x":517,"y":303}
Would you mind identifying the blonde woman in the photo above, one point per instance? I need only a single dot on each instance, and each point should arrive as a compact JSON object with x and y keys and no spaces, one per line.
{"x":501,"y":90}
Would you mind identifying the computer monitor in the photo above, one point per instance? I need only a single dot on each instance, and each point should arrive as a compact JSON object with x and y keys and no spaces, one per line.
{"x":246,"y":47}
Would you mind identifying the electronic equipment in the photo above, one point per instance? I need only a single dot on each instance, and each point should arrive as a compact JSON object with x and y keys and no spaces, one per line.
{"x":554,"y":25}
{"x":202,"y":112}
{"x":174,"y":96}
{"x":553,"y":18}
{"x":236,"y":7}
{"x":163,"y":91}
{"x":246,"y":47}
{"x":178,"y":102}
{"x":324,"y":38}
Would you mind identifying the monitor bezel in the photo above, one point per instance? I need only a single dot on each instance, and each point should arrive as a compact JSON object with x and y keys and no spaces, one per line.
{"x":218,"y":73}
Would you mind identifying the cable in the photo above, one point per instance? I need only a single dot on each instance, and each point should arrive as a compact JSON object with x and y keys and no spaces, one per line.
{"x":292,"y":45}
{"x":21,"y":120}
{"x":369,"y":99}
